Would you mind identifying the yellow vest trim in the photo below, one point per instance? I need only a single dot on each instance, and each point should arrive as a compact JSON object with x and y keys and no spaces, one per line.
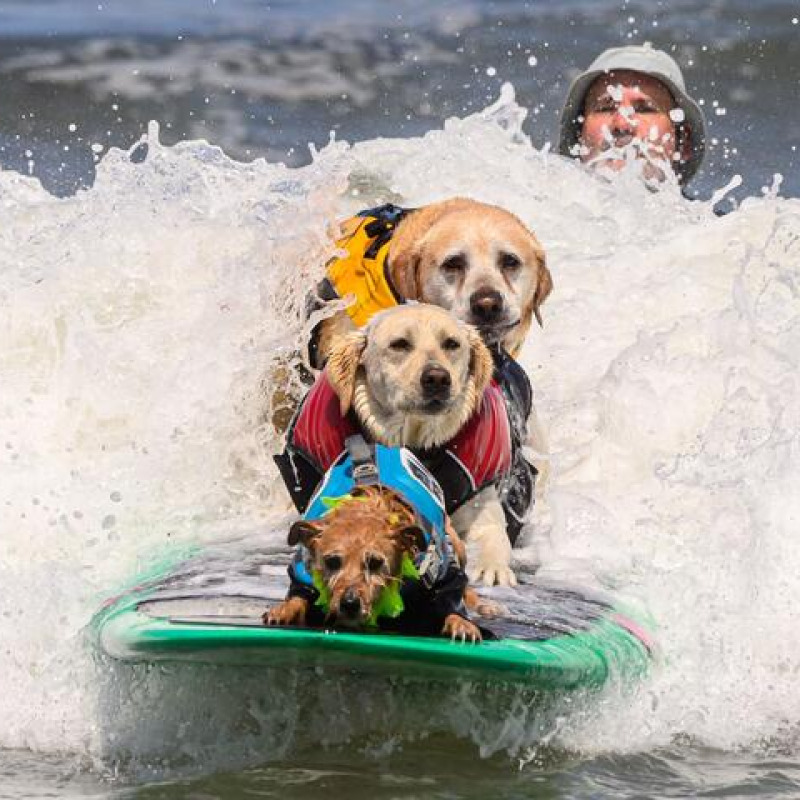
{"x":362,"y":278}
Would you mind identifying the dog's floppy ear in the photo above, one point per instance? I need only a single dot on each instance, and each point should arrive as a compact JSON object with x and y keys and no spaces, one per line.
{"x":412,"y":538}
{"x":405,"y":250}
{"x":404,"y":272}
{"x":303,"y":532}
{"x":481,"y":365}
{"x":342,"y":367}
{"x":544,"y":286}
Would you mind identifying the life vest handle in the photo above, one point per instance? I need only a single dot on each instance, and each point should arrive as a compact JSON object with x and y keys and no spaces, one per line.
{"x":365,"y":470}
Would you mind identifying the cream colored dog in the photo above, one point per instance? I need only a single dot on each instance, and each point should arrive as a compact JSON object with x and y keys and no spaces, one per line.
{"x":478,"y":261}
{"x":414,"y":376}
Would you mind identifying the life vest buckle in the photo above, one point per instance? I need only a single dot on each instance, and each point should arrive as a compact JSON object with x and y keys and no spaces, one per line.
{"x":431,"y":565}
{"x":365,"y":474}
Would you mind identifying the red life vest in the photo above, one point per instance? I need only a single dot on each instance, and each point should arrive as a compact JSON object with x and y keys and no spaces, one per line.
{"x":478,"y":456}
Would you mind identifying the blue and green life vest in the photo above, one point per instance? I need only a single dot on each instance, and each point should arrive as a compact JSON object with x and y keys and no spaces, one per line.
{"x":435,"y":568}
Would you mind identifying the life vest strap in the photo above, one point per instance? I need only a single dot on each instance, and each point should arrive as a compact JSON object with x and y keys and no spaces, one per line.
{"x":381,"y":227}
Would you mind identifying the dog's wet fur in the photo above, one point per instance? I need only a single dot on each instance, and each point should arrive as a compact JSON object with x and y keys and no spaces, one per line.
{"x":414,"y":375}
{"x":358,"y":549}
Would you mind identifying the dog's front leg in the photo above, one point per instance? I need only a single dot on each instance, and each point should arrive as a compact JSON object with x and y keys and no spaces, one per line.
{"x":482,"y":606}
{"x":291,"y":611}
{"x":483,"y":525}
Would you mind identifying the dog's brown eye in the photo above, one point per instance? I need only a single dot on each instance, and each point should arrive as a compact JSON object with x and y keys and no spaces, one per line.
{"x":509,"y":261}
{"x":332,"y":563}
{"x":400,"y":345}
{"x":375,"y":563}
{"x":451,"y":344}
{"x":455,"y":264}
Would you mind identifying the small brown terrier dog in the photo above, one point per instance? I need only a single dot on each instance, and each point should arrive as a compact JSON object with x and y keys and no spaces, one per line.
{"x":357,"y":548}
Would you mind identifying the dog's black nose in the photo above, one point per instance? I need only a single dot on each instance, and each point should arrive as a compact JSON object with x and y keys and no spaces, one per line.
{"x":486,"y":306}
{"x":435,"y":381}
{"x":350,"y":604}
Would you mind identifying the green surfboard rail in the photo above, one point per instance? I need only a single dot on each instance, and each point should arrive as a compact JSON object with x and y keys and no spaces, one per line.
{"x":585,"y":659}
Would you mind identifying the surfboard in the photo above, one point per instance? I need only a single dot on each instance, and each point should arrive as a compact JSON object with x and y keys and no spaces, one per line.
{"x":207,"y":608}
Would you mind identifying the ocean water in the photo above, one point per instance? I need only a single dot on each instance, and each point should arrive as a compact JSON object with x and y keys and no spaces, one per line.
{"x":141,"y":317}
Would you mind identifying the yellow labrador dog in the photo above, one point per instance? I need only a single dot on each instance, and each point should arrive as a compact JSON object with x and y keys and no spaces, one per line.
{"x":417,"y":377}
{"x":478,"y":261}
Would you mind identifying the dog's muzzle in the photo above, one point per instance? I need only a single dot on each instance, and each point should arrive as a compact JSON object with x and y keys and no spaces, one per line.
{"x":487,"y":307}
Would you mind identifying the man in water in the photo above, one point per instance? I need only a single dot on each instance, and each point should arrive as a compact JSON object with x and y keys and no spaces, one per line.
{"x":632,"y":103}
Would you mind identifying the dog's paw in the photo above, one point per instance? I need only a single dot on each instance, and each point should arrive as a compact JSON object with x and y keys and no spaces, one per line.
{"x":461,"y":630}
{"x":275,"y":616}
{"x":490,"y":552}
{"x":493,"y":575}
{"x":482,"y":606}
{"x":290,"y":612}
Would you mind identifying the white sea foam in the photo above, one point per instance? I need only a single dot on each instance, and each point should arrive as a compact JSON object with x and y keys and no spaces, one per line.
{"x":138,"y":321}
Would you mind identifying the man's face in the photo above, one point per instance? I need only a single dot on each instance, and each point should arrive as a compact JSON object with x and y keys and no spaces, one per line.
{"x":624,"y":107}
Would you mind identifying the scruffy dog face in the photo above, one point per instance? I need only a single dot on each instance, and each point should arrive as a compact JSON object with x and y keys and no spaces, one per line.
{"x":357,"y":548}
{"x":412,"y":362}
{"x":479,"y":262}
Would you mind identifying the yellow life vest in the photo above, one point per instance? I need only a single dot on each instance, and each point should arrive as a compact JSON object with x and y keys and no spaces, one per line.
{"x":362,"y":273}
